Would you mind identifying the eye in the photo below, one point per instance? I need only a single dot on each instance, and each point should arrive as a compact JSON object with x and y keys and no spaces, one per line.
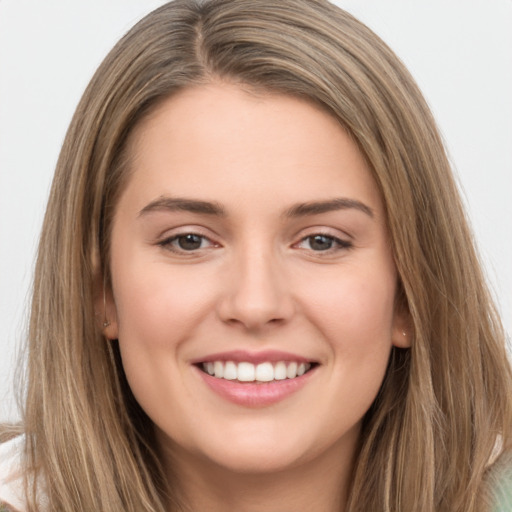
{"x":186,"y":242}
{"x":323,"y":243}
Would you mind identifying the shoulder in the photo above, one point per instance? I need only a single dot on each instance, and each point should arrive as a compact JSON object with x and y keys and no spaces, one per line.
{"x":501,"y":485}
{"x":11,"y":476}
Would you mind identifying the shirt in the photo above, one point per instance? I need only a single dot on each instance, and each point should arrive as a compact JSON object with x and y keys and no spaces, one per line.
{"x":11,"y":478}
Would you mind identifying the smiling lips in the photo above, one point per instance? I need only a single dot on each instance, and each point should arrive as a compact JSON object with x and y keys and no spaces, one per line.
{"x":255,"y":380}
{"x":249,"y":372}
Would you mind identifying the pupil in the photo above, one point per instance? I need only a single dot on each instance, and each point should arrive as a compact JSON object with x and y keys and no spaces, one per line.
{"x":189,"y":242}
{"x":320,"y":243}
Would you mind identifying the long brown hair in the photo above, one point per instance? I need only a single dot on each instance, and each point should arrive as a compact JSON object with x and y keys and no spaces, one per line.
{"x":445,"y":408}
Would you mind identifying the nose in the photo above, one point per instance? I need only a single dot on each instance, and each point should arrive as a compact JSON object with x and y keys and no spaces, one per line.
{"x":257,"y":294}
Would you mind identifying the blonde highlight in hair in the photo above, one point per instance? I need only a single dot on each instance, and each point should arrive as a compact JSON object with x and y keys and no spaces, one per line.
{"x":428,"y":439}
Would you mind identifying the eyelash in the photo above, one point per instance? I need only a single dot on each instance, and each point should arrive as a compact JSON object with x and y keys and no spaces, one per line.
{"x":168,"y":243}
{"x":337,"y":244}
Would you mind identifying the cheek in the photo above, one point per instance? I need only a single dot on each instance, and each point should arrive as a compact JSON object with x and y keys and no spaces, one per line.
{"x":356,"y":318}
{"x":356,"y":308}
{"x":158,"y":305}
{"x":354,"y":312}
{"x":158,"y":310}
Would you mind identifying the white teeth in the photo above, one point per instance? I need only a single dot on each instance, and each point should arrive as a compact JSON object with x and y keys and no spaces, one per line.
{"x":291,"y":371}
{"x":218,"y":369}
{"x":248,"y":372}
{"x":265,"y":372}
{"x":280,"y":371}
{"x":230,"y":371}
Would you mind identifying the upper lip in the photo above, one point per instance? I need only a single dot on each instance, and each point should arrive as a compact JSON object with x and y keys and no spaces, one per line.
{"x":239,"y":356}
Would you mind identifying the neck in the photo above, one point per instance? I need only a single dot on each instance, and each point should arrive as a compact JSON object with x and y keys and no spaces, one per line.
{"x":320,"y":484}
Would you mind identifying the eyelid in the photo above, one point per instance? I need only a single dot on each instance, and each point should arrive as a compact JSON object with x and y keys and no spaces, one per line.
{"x":342,"y":243}
{"x":339,"y":241}
{"x":169,"y":236}
{"x":324,"y":231}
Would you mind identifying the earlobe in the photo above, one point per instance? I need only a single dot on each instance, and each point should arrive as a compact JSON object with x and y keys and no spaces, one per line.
{"x":109,"y":322}
{"x":110,"y":330}
{"x":402,"y":331}
{"x":402,"y":339}
{"x":106,"y":315}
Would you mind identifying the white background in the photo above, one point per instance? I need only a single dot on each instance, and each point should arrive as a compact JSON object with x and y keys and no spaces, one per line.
{"x":460,"y":52}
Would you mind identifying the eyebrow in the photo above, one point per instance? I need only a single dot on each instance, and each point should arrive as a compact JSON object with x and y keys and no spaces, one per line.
{"x":174,"y":204}
{"x":318,"y":207}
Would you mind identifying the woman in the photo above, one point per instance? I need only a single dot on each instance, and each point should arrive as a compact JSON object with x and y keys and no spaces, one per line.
{"x":256,"y":288}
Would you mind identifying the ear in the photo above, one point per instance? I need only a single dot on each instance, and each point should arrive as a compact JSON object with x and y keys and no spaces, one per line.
{"x":109,"y":322}
{"x":402,"y":329}
{"x":105,"y":308}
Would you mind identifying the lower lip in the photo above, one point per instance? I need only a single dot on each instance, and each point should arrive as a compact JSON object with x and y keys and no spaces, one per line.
{"x":253,"y":394}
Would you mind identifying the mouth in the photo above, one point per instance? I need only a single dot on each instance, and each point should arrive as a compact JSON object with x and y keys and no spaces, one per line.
{"x":263,"y":372}
{"x":255,"y":379}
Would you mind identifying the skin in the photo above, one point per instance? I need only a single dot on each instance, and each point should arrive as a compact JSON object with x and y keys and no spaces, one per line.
{"x":257,"y":282}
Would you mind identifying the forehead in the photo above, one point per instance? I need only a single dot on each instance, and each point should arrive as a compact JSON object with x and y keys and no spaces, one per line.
{"x":220,"y":139}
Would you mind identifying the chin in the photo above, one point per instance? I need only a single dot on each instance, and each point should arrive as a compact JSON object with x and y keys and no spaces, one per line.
{"x":257,"y":462}
{"x":265,"y":449}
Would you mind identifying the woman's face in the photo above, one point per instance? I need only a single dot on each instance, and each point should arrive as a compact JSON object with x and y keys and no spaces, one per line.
{"x":250,"y":242}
